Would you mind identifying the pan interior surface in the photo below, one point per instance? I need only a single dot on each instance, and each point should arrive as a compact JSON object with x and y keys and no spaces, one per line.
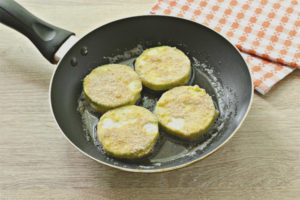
{"x":217,"y":66}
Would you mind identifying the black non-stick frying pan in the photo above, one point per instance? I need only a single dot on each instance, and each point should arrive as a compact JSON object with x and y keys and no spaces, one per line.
{"x":217,"y":66}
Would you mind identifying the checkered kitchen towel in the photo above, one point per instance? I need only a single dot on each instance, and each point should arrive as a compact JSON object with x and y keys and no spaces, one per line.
{"x":268,"y":29}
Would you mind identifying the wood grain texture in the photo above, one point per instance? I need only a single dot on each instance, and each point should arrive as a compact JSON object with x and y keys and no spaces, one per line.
{"x":262,"y":161}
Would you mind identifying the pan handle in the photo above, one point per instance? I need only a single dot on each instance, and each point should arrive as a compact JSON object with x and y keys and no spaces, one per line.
{"x":46,"y":37}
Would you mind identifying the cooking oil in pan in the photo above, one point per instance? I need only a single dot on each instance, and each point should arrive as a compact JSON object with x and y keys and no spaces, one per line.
{"x":168,"y":148}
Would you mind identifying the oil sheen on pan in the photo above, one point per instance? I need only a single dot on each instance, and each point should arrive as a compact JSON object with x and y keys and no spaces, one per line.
{"x":168,"y":148}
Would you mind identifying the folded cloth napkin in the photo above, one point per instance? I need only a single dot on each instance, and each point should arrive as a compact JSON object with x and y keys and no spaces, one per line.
{"x":266,"y":31}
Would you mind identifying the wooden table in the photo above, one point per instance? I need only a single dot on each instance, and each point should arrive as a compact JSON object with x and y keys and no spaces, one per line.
{"x":261,"y":162}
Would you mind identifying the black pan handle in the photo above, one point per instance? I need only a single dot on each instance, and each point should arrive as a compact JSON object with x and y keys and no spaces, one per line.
{"x":46,"y":37}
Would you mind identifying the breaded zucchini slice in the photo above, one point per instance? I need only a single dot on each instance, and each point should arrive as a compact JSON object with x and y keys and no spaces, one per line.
{"x":186,"y":111}
{"x":111,"y":86}
{"x":162,"y":68}
{"x":128,"y":132}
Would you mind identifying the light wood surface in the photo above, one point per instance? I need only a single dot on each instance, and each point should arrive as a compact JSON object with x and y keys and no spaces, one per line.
{"x":262,"y":161}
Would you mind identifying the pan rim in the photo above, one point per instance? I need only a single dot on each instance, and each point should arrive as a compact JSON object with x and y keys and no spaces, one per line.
{"x":168,"y":168}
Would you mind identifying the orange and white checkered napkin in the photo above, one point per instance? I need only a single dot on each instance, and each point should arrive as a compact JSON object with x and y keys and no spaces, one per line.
{"x":268,"y":29}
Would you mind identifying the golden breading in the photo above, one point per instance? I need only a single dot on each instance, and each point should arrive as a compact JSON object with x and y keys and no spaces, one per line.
{"x":162,"y":68}
{"x":128,"y":132}
{"x":186,"y":111}
{"x":111,"y":86}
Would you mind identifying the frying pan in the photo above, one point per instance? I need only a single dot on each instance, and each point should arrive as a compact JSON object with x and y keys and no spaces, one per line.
{"x":217,"y":67}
